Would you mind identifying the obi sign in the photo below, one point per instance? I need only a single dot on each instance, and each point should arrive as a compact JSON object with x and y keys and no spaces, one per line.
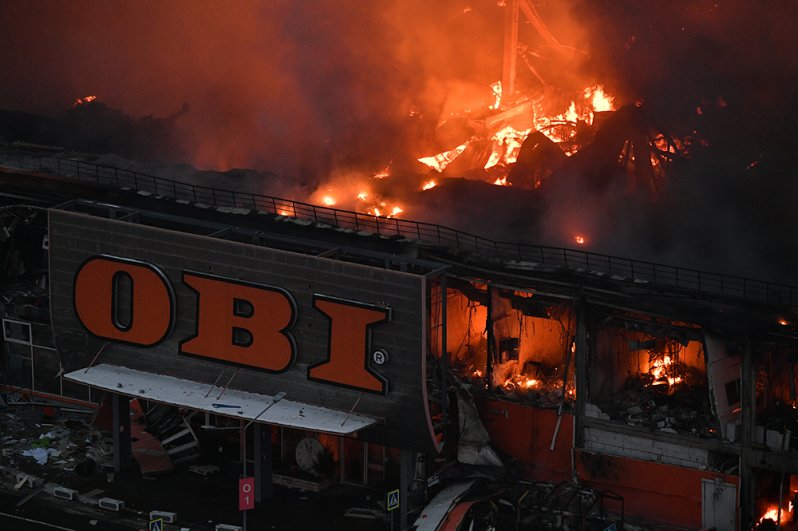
{"x":236,"y":322}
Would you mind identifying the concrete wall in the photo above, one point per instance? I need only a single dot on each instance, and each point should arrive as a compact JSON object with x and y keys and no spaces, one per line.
{"x":624,"y":445}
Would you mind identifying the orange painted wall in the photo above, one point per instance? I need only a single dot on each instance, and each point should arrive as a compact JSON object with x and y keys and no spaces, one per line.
{"x":666,"y":493}
{"x":525,"y":433}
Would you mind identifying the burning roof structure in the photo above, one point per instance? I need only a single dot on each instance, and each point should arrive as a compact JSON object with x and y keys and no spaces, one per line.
{"x":497,"y":184}
{"x":658,"y":133}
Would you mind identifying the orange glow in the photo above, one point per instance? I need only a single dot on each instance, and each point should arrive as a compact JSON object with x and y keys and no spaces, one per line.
{"x":362,"y":196}
{"x":84,"y":100}
{"x":783,"y":322}
{"x":579,"y":239}
{"x":385,"y":172}
{"x":429,"y":184}
{"x":328,"y":200}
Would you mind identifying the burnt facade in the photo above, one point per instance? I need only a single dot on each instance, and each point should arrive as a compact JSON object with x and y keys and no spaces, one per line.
{"x":673,"y":389}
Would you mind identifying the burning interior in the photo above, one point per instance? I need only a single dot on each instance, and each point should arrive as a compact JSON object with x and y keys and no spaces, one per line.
{"x":522,"y":351}
{"x":516,"y":344}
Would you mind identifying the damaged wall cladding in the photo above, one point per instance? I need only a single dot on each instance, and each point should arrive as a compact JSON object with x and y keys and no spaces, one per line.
{"x":656,"y":390}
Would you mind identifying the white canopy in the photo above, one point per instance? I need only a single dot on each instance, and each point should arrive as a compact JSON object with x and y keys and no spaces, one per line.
{"x":232,"y":403}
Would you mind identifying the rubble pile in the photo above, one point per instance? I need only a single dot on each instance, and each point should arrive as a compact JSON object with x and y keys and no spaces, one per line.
{"x":38,"y":442}
{"x":526,"y":505}
{"x":685,"y":410}
{"x":544,"y":389}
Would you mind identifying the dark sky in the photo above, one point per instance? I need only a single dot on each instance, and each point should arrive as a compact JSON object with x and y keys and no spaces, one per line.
{"x":268,"y":82}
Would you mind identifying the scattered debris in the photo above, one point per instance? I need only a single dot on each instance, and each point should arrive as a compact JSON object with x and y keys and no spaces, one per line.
{"x":204,"y":470}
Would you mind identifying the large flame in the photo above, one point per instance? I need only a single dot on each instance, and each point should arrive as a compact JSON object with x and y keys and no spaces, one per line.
{"x":506,"y":140}
{"x":357,"y":191}
{"x":441,"y":160}
{"x":772,"y":513}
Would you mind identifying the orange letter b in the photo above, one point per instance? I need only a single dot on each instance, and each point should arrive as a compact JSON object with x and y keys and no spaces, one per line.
{"x":241,"y":323}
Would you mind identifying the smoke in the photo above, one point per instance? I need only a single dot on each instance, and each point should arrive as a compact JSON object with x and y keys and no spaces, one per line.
{"x":291,"y":87}
{"x":338,"y":88}
{"x":730,"y":208}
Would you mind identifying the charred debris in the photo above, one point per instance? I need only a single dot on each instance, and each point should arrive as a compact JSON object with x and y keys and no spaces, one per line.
{"x":92,"y":126}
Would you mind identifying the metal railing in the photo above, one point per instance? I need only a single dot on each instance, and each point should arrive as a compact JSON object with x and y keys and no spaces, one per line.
{"x":514,"y":254}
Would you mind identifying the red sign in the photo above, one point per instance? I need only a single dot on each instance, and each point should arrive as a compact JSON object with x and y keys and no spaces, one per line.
{"x":246,"y":494}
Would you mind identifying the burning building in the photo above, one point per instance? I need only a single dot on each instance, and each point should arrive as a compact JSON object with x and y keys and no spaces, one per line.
{"x":669,"y":392}
{"x":666,"y":392}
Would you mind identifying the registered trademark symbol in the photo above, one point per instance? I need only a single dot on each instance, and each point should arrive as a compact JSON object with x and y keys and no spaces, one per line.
{"x":380,"y":357}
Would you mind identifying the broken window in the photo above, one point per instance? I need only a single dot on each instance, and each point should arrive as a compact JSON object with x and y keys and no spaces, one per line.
{"x":652,"y":374}
{"x":510,"y":342}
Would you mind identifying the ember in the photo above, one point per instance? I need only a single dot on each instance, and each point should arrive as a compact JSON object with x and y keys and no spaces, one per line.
{"x":84,"y":100}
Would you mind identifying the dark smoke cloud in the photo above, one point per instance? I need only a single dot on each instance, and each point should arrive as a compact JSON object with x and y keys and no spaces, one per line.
{"x":286,"y":86}
{"x":309,"y":88}
{"x":731,"y":207}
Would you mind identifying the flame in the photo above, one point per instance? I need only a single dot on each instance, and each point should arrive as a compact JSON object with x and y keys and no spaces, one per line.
{"x":363,"y":196}
{"x":385,"y":172}
{"x":506,"y":145}
{"x":84,"y":100}
{"x":659,"y":369}
{"x":429,"y":184}
{"x":497,"y":92}
{"x":381,"y":210}
{"x":501,"y":181}
{"x":328,"y":200}
{"x":441,"y":160}
{"x":599,"y":100}
{"x":560,"y":128}
{"x":579,"y":239}
{"x":571,"y":115}
{"x":772,"y":513}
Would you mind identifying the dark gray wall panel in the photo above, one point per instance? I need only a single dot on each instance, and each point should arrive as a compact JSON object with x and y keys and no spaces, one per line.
{"x":76,"y":237}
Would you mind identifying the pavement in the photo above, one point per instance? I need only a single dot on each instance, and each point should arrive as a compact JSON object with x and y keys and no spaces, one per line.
{"x":79,"y":457}
{"x":199,"y":502}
